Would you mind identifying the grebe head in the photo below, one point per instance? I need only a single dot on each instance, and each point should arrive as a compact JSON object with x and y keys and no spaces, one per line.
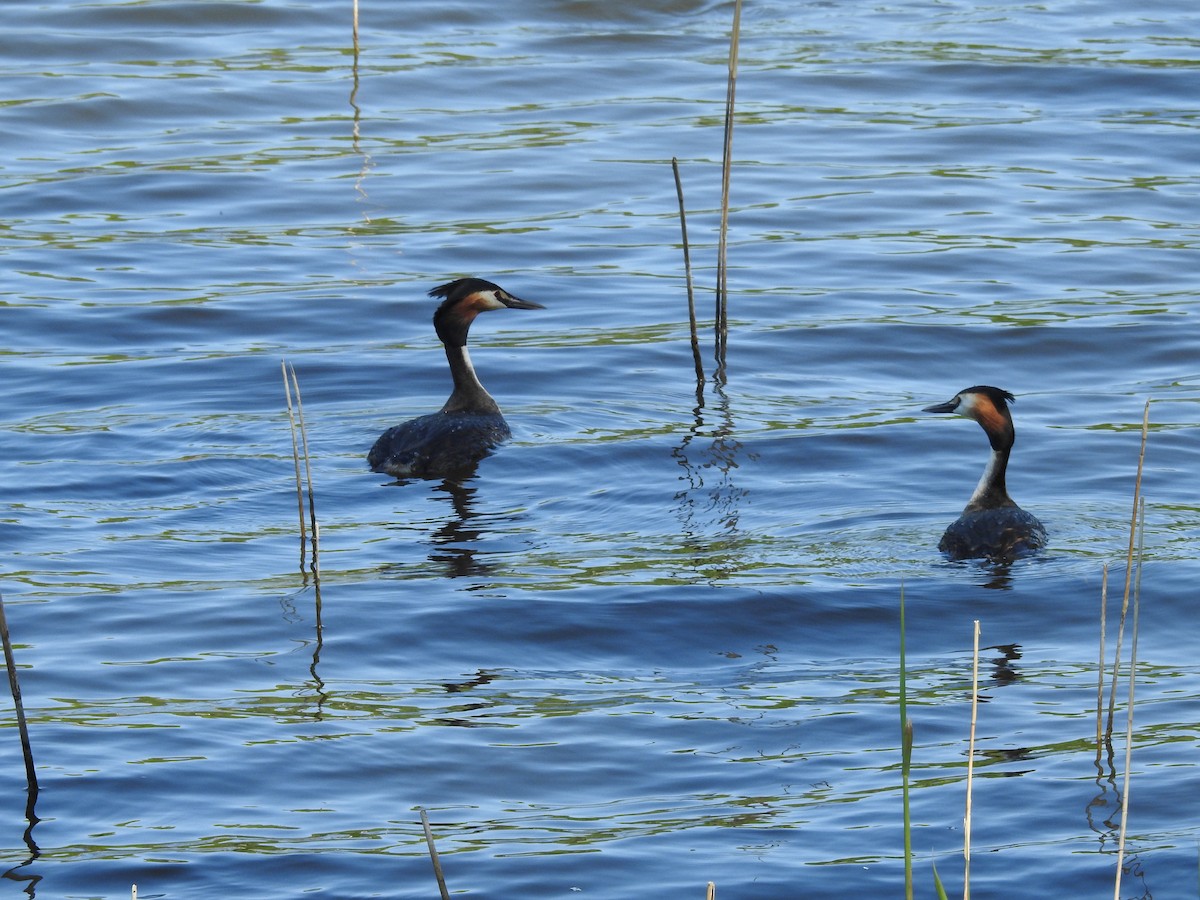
{"x":463,"y":300}
{"x":986,"y":405}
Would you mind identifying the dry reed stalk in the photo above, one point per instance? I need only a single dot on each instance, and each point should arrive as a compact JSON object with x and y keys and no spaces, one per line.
{"x":354,"y":26}
{"x":14,"y":685}
{"x":971,"y":764}
{"x":711,"y":893}
{"x":1137,"y":596}
{"x":1100,"y":670}
{"x":433,"y":855}
{"x":722,"y":316}
{"x":1137,"y":491}
{"x":687,"y":268}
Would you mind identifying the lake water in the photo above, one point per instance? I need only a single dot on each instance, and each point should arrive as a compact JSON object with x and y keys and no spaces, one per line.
{"x":654,"y":642}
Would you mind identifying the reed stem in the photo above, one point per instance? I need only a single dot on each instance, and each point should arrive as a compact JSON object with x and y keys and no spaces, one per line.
{"x":312,"y":501}
{"x":300,"y":448}
{"x":14,"y":686}
{"x":1100,"y":669}
{"x":287,"y":388}
{"x":1137,"y":490}
{"x":433,"y":855}
{"x":722,"y":311}
{"x":687,"y":268}
{"x":1137,"y":593}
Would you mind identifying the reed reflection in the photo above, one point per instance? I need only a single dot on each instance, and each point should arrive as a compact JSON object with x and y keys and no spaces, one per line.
{"x":31,"y":779}
{"x":710,"y":506}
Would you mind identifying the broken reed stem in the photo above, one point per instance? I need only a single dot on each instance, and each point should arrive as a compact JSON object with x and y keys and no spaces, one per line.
{"x":1137,"y":490}
{"x":722,"y":317}
{"x":711,"y":893}
{"x":687,"y":268}
{"x":1100,"y":670}
{"x":18,"y":706}
{"x":433,"y":855}
{"x":971,"y":764}
{"x":296,"y":419}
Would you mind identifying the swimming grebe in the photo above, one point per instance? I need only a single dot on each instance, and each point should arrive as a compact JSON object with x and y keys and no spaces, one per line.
{"x":992,"y":525}
{"x":470,"y":424}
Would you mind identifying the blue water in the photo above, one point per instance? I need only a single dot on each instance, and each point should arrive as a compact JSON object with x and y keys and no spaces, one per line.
{"x":654,"y":642}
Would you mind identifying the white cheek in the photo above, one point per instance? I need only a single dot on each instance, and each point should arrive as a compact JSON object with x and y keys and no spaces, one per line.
{"x":966,"y":405}
{"x":487,"y":300}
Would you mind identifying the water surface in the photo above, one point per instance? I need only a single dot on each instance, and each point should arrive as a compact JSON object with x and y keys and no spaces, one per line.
{"x":654,"y":642}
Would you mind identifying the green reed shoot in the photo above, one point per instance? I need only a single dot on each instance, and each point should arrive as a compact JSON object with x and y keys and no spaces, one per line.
{"x":937,"y":884}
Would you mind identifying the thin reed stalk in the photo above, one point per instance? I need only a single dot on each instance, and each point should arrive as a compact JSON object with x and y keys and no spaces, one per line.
{"x":14,"y":686}
{"x":312,"y":501}
{"x":300,"y":449}
{"x":1137,"y":491}
{"x":687,"y":268}
{"x":287,"y":388}
{"x":354,"y":27}
{"x":1100,"y":668}
{"x":1137,"y":596}
{"x":906,"y":742}
{"x":722,"y":312}
{"x":971,"y":764}
{"x":433,"y":855}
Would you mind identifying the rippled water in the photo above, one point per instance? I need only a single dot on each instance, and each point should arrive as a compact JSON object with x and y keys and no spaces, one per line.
{"x":654,"y":642}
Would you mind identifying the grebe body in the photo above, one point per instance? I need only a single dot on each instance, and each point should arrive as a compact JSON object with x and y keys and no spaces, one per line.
{"x":991,"y":526}
{"x":470,"y":424}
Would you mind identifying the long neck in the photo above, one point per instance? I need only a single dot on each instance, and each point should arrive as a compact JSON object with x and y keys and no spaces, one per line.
{"x":469,"y":395}
{"x":991,"y":492}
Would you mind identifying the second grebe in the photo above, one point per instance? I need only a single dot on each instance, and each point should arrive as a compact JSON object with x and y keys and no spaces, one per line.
{"x":992,"y":525}
{"x":470,"y":423}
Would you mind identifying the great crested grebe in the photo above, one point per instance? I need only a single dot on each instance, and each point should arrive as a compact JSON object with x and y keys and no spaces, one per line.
{"x":470,"y":424}
{"x":992,"y":525}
